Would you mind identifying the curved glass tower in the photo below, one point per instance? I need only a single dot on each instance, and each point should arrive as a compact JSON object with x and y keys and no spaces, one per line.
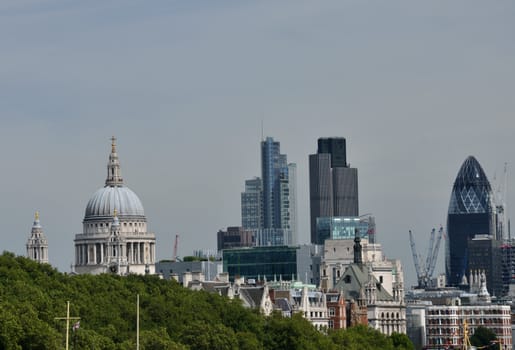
{"x":471,"y":212}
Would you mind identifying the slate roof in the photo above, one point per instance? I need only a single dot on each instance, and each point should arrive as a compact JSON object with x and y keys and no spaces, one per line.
{"x":355,"y":278}
{"x":252,"y":295}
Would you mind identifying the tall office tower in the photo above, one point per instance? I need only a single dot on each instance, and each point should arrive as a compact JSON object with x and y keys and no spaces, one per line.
{"x":333,"y":184}
{"x":471,"y":212}
{"x":268,"y":205}
{"x":292,"y":203}
{"x":274,"y":171}
{"x":252,"y":204}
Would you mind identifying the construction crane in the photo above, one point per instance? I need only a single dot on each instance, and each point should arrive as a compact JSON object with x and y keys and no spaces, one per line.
{"x":425,"y":271}
{"x":174,"y":258}
{"x":502,"y":229}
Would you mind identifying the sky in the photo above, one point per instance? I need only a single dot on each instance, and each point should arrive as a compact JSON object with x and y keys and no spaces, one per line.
{"x":185,"y":86}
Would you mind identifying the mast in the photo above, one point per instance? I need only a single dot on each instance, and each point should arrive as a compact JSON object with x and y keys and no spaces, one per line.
{"x":67,"y":318}
{"x":137,"y":322}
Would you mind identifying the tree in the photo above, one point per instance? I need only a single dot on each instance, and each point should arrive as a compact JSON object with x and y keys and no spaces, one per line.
{"x":361,"y":337}
{"x":482,"y":337}
{"x":401,"y":341}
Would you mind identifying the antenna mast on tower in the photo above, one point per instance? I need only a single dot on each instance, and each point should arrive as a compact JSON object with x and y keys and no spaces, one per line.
{"x":175,"y":246}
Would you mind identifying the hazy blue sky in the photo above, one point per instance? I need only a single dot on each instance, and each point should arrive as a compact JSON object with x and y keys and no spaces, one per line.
{"x":414,"y":87}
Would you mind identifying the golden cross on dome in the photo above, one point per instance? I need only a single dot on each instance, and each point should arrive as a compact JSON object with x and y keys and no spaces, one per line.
{"x":36,"y":215}
{"x":115,"y":212}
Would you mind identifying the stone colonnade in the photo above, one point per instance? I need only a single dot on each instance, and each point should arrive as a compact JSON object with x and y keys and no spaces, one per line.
{"x":95,"y":253}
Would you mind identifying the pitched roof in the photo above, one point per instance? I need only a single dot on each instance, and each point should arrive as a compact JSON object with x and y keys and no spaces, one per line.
{"x":252,"y":295}
{"x":353,"y":282}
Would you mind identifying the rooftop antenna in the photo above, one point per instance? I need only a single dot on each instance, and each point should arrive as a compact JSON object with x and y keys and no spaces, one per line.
{"x":505,"y":196}
{"x":262,"y":130}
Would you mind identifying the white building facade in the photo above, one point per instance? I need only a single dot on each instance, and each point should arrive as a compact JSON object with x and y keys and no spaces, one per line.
{"x":445,"y":324}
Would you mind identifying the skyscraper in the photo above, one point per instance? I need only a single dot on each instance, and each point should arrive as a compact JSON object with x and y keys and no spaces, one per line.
{"x":252,"y":204}
{"x":471,"y":212}
{"x":274,"y":171}
{"x":333,"y":184}
{"x":268,"y":205}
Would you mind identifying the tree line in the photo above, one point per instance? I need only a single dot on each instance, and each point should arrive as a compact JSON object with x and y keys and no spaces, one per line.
{"x":33,"y":295}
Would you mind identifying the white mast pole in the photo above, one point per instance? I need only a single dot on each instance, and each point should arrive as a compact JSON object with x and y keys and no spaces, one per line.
{"x":67,"y":322}
{"x":137,"y":323}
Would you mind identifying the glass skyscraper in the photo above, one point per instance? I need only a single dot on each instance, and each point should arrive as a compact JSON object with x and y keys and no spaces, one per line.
{"x":269,"y":203}
{"x":471,"y":212}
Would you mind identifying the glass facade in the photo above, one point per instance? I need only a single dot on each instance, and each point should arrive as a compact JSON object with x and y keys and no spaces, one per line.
{"x":345,"y":227}
{"x":470,"y":213}
{"x":260,"y":262}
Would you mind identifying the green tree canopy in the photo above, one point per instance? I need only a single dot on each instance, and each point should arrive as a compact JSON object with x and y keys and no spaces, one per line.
{"x":32,"y":295}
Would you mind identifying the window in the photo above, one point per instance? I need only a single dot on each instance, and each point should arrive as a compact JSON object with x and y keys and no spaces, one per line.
{"x":331,"y":311}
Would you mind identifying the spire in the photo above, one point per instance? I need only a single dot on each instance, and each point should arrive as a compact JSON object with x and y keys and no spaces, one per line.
{"x":114,"y":175}
{"x":358,"y":259}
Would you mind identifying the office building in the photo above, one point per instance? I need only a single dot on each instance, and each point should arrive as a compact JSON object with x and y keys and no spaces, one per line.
{"x":272,"y":263}
{"x":333,"y":184}
{"x":252,"y":204}
{"x":269,"y":203}
{"x":471,"y":212}
{"x":235,"y":237}
{"x":345,"y":228}
{"x":484,"y":254}
{"x":445,"y":324}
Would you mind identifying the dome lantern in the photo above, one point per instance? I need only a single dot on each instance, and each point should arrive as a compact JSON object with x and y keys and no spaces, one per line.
{"x":114,"y":174}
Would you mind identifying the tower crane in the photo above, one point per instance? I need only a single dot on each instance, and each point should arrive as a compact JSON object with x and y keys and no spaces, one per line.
{"x":425,"y":271}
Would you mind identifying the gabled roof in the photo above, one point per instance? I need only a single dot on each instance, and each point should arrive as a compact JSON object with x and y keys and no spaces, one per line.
{"x":283,"y":304}
{"x":353,"y":282}
{"x":221,"y":288}
{"x":252,"y":295}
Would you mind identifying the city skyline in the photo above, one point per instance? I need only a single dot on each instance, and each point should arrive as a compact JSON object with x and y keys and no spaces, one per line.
{"x":414,"y":88}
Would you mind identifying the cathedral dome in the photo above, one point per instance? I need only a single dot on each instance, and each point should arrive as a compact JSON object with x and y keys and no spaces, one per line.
{"x":115,"y":195}
{"x":107,"y":199}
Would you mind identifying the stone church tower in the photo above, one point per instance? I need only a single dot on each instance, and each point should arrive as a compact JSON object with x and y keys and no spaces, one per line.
{"x":37,"y":244}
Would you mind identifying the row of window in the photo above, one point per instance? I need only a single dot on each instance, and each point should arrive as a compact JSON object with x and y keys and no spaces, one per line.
{"x":455,"y":321}
{"x":136,"y":224}
{"x":314,"y":314}
{"x":468,"y":312}
{"x":388,"y":315}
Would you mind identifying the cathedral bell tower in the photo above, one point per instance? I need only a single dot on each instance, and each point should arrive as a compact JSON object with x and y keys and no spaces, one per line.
{"x":37,"y":244}
{"x":117,"y":255}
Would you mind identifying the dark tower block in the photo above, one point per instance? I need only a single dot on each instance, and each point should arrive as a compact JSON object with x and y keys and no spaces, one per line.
{"x":333,"y":184}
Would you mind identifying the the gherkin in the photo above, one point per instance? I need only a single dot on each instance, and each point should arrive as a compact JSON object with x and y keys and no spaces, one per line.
{"x":471,"y":212}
